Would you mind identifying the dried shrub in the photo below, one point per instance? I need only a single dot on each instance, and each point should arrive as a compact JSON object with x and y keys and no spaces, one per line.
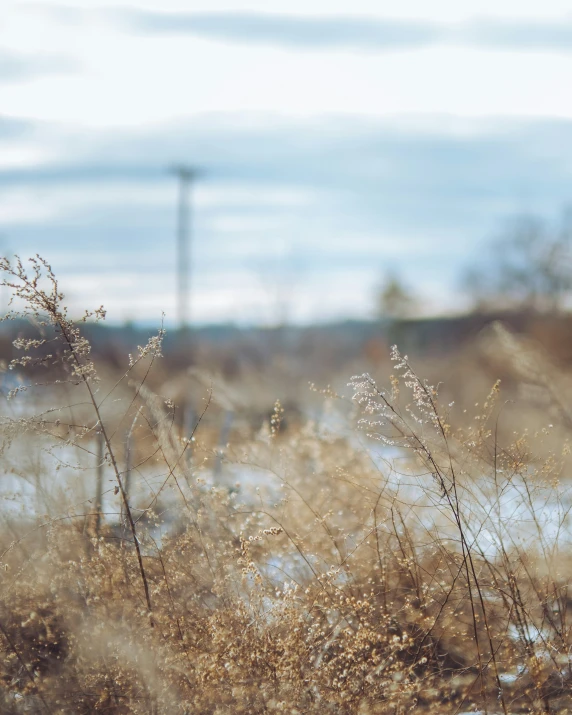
{"x":387,"y":559}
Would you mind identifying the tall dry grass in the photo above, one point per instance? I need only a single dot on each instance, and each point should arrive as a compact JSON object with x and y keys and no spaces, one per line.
{"x":391,"y":556}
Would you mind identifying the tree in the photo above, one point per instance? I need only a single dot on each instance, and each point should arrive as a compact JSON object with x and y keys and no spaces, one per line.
{"x":395,"y":300}
{"x":529,"y":267}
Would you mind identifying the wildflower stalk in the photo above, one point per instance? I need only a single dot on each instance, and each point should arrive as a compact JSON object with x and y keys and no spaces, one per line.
{"x":40,"y":302}
{"x":424,"y":400}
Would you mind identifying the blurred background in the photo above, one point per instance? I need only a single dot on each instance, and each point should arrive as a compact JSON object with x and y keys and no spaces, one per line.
{"x":290,"y":187}
{"x":256,"y":166}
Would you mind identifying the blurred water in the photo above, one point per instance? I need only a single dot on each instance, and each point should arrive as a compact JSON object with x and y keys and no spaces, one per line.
{"x":39,"y":478}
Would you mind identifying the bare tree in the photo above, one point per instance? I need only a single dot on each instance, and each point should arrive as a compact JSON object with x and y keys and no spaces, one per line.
{"x":529,"y":266}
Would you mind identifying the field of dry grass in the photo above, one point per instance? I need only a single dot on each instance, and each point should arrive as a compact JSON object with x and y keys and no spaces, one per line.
{"x":377,"y":547}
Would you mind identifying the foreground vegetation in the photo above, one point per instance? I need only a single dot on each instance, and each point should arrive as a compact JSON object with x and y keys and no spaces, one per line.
{"x":397,"y":553}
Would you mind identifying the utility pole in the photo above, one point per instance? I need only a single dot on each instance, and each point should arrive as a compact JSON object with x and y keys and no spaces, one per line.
{"x":186,"y":175}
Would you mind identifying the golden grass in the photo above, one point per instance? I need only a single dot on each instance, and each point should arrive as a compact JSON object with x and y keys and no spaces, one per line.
{"x":392,"y":557}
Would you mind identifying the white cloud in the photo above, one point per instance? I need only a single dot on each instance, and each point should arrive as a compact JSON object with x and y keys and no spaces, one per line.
{"x":128,"y":80}
{"x":21,"y":154}
{"x":440,"y":10}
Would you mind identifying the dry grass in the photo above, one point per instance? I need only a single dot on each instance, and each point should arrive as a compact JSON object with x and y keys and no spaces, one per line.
{"x":396,"y":555}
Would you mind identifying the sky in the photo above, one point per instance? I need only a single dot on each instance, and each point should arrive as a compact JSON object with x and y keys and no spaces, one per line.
{"x":336,"y":142}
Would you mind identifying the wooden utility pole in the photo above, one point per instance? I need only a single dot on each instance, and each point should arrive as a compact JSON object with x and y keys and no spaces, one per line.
{"x":186,"y":175}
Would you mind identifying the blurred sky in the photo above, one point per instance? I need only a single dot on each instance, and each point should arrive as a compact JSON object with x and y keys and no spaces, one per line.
{"x":339,"y":141}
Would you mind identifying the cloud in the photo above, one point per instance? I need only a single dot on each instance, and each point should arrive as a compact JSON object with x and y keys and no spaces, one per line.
{"x":319,"y":32}
{"x":346,"y":175}
{"x":16,"y":67}
{"x":13,"y":128}
{"x":338,"y":197}
{"x":512,"y":35}
{"x":376,"y":163}
{"x":347,"y":32}
{"x":286,"y":30}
